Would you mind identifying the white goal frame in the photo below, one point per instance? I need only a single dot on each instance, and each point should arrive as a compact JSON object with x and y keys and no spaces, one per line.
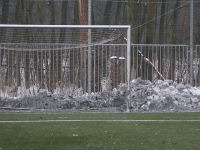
{"x":128,"y":41}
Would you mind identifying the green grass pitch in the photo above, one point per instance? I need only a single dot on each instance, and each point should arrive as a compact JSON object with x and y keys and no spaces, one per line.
{"x":98,"y":131}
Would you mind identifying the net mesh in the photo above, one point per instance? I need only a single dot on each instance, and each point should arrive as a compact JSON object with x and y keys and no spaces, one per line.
{"x":70,"y":36}
{"x":57,"y":60}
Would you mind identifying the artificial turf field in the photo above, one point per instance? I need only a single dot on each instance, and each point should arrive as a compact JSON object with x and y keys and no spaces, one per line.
{"x":98,"y":131}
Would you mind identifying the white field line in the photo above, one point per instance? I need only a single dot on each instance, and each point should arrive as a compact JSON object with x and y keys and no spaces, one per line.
{"x":41,"y":121}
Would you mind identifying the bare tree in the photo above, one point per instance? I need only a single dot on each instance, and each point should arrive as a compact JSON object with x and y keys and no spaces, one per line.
{"x":4,"y":18}
{"x":82,"y":16}
{"x":63,"y":21}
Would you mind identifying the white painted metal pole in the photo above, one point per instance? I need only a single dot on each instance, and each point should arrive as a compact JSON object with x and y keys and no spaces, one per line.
{"x":65,"y":26}
{"x":89,"y":48}
{"x":128,"y":64}
{"x":191,"y":39}
{"x":128,"y":54}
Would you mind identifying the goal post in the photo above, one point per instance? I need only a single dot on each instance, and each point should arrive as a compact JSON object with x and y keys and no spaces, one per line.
{"x":105,"y":37}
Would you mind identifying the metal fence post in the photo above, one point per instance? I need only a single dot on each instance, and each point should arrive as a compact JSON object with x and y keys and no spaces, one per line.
{"x":89,"y":47}
{"x":191,"y":39}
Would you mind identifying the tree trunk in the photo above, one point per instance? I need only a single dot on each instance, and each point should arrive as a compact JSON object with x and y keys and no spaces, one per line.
{"x":151,"y":26}
{"x":118,"y":11}
{"x":82,"y":16}
{"x":52,"y":20}
{"x":175,"y":23}
{"x":63,"y":21}
{"x":4,"y":19}
{"x":107,"y":11}
{"x":28,"y":36}
{"x":150,"y":38}
{"x":18,"y":38}
{"x":174,"y":38}
{"x":55,"y":55}
{"x":162,"y":23}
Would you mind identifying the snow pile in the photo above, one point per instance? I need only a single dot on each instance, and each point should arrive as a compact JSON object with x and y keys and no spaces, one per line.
{"x":144,"y":95}
{"x":163,"y":96}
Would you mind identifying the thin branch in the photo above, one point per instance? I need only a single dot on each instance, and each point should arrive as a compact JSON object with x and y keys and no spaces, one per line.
{"x":147,"y":60}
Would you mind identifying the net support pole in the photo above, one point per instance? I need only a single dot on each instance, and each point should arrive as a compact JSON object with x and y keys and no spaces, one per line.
{"x":191,"y":39}
{"x":89,"y":48}
{"x":128,"y":65}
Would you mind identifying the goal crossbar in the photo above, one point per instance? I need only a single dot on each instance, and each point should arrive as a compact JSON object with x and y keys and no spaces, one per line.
{"x":65,"y":26}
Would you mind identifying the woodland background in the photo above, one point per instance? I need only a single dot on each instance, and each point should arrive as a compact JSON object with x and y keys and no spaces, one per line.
{"x":152,"y":21}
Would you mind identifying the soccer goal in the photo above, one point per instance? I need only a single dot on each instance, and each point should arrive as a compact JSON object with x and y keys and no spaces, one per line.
{"x":68,"y":59}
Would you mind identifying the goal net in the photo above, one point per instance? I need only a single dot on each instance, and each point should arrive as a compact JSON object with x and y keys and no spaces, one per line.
{"x":66,"y":59}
